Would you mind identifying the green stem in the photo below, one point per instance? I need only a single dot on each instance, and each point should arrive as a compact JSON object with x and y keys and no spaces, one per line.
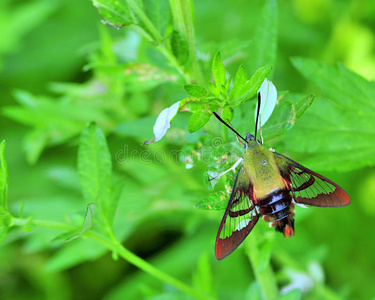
{"x":264,"y":275}
{"x":154,"y":36}
{"x":145,"y":20}
{"x":145,"y":266}
{"x":182,"y":12}
{"x":44,"y":224}
{"x":113,"y":245}
{"x":169,"y":56}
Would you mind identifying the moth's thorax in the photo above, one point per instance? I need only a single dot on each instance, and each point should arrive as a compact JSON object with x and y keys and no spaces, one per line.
{"x":261,"y":169}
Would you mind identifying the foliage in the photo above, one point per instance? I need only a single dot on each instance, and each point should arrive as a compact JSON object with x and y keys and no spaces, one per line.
{"x":81,"y":198}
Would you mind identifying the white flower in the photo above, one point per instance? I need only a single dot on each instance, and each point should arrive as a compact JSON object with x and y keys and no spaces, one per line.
{"x":163,"y":122}
{"x":268,"y":95}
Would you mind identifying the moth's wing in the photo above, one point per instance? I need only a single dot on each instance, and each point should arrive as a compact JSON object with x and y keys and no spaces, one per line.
{"x":309,"y":187}
{"x":239,"y":217}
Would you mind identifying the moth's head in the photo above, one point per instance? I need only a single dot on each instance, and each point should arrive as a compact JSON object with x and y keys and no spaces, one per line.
{"x":249,"y":137}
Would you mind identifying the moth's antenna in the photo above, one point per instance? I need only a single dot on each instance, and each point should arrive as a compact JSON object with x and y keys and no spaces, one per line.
{"x":226,"y":124}
{"x":257,"y":118}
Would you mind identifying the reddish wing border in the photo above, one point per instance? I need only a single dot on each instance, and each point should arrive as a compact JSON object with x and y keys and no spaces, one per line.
{"x":309,"y":187}
{"x":239,"y":218}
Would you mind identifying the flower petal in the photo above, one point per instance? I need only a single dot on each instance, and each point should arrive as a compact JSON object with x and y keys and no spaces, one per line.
{"x":268,"y":94}
{"x":163,"y":122}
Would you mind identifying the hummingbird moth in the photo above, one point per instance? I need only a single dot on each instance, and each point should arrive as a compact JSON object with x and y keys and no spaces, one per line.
{"x":268,"y":185}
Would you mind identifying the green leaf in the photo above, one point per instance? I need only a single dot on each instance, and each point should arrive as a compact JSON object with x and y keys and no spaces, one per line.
{"x":218,"y":72}
{"x":239,"y":81}
{"x":227,"y":114}
{"x":194,"y":104}
{"x":197,"y":120}
{"x":95,"y":168}
{"x":303,"y":104}
{"x":227,"y":84}
{"x":54,"y":121}
{"x":115,"y":14}
{"x":195,"y":90}
{"x":87,"y":222}
{"x":159,"y":13}
{"x":73,"y":254}
{"x":290,"y":108}
{"x":264,"y":47}
{"x":341,"y":129}
{"x":179,"y":47}
{"x":282,"y":119}
{"x":338,"y":139}
{"x":341,"y":85}
{"x":215,"y":201}
{"x":249,"y":88}
{"x":116,"y":191}
{"x":34,"y":143}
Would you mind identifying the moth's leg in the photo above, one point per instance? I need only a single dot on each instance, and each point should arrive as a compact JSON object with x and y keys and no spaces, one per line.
{"x":230,"y":169}
{"x":260,"y":129}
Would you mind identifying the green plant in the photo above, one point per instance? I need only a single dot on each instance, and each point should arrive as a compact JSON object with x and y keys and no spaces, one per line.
{"x":128,"y":194}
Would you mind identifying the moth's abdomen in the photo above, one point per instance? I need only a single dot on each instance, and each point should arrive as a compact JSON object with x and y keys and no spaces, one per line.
{"x":278,"y":208}
{"x":275,"y":206}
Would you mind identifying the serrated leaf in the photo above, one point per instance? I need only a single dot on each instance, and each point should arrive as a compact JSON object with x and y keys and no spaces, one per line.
{"x":338,"y":139}
{"x":197,"y":120}
{"x":218,"y":72}
{"x":195,"y":90}
{"x":200,"y":104}
{"x":281,"y":120}
{"x":179,"y":47}
{"x":239,"y":81}
{"x":215,"y":201}
{"x":194,"y":104}
{"x":341,"y":129}
{"x":264,"y":42}
{"x":95,"y":168}
{"x":341,"y":85}
{"x":250,"y":88}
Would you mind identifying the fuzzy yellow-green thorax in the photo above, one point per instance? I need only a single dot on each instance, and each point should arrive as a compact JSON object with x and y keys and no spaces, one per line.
{"x":262,"y":170}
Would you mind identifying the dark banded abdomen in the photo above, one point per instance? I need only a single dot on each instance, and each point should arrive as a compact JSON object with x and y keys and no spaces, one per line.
{"x":278,"y":208}
{"x":275,"y":206}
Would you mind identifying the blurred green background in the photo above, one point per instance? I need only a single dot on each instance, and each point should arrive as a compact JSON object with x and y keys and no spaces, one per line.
{"x":61,"y":68}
